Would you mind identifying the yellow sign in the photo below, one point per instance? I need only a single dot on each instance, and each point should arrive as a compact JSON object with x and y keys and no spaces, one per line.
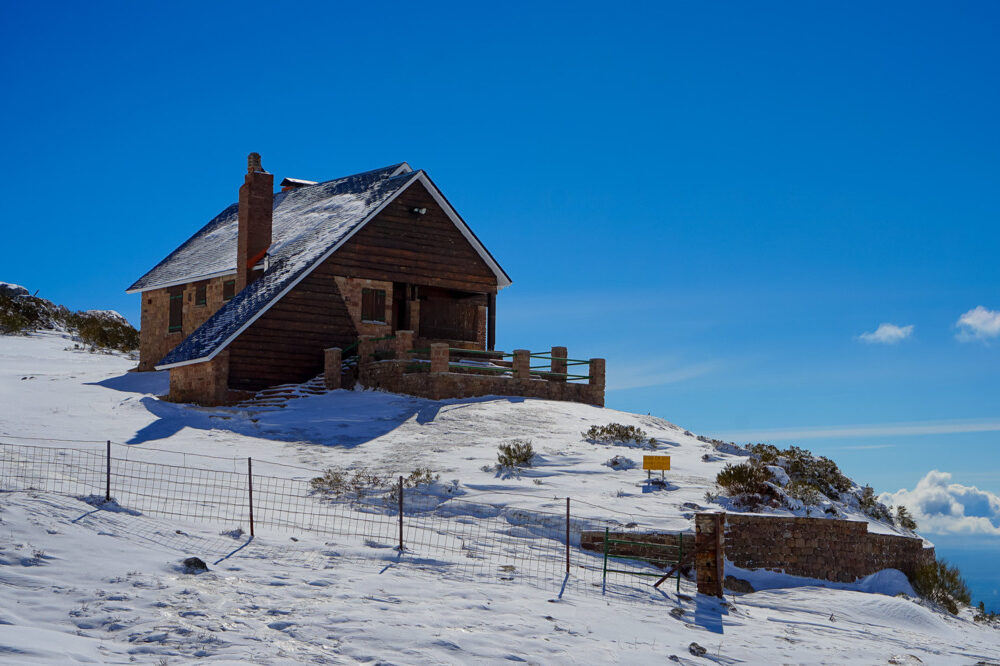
{"x":656,"y":462}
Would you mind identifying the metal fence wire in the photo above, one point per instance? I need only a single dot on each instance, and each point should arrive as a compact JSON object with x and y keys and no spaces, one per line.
{"x":447,"y":533}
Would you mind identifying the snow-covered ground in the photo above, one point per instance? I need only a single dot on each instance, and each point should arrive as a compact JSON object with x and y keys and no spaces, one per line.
{"x":85,"y":584}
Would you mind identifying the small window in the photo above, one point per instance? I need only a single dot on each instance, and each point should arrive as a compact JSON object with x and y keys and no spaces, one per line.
{"x":373,"y":305}
{"x":201,"y":293}
{"x":176,"y":322}
{"x":228,"y":289}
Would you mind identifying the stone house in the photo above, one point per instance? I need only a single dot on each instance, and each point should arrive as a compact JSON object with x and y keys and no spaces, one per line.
{"x":264,"y":292}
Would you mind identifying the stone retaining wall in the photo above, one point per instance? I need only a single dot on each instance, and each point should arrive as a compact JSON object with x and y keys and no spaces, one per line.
{"x":834,"y":550}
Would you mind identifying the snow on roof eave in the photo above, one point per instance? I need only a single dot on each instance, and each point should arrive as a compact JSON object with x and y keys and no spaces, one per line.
{"x":176,"y":283}
{"x":503,"y":280}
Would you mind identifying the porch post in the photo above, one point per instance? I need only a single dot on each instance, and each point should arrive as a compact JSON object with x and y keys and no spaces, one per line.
{"x":491,"y":325}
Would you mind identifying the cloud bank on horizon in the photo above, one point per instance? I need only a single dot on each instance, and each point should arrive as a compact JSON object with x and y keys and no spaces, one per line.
{"x":978,"y":324}
{"x":942,"y":507}
{"x":887,"y":334}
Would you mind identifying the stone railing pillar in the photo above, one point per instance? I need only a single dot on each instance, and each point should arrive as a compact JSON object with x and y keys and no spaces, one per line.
{"x":332,"y":367}
{"x":404,"y":343}
{"x":522,"y":364}
{"x":440,"y":357}
{"x":559,"y":356}
{"x":366,"y":350}
{"x":597,"y":373}
{"x":710,"y":552}
{"x":414,"y":319}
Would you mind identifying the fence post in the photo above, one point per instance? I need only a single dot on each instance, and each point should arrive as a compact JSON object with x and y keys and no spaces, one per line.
{"x":567,"y":535}
{"x":400,"y":514}
{"x":604,"y":573}
{"x":250,"y":489}
{"x":107,"y":479}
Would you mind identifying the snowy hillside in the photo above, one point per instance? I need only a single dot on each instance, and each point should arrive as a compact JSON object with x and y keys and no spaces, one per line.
{"x":83,"y":583}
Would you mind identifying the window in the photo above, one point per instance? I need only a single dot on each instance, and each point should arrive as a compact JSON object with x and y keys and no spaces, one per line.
{"x":228,"y":289}
{"x":201,"y":293}
{"x":176,"y":322}
{"x":373,"y":305}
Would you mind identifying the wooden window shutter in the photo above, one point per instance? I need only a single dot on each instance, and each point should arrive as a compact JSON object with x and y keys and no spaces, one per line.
{"x":373,"y":305}
{"x":176,"y":321}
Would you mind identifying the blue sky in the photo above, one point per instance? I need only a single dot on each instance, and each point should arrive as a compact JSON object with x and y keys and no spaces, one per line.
{"x":719,"y":198}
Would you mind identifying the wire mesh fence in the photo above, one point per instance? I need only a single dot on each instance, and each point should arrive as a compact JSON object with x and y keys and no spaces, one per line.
{"x":428,"y":528}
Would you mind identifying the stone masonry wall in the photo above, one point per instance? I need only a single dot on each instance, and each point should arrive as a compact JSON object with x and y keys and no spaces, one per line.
{"x":389,"y":376}
{"x":205,"y":383}
{"x":350,"y":289}
{"x":835,"y":550}
{"x":154,"y":338}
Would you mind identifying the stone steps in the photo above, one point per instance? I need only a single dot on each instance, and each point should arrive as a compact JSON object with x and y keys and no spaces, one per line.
{"x":278,"y":396}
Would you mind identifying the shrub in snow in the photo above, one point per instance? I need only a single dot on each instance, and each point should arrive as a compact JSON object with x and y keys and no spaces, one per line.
{"x":872,"y":507}
{"x":621,"y":463}
{"x":904,"y":519}
{"x":804,"y":492}
{"x":333,"y":482}
{"x":99,"y":329}
{"x":801,"y":465}
{"x":338,"y":483}
{"x":748,"y":484}
{"x":421,"y":476}
{"x":943,"y":584}
{"x":22,"y":314}
{"x":982,"y":616}
{"x":515,"y":454}
{"x":743,"y":478}
{"x":617,"y":433}
{"x":104,"y":330}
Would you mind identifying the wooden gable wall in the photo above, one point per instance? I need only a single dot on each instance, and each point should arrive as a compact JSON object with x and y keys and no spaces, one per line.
{"x":401,"y":246}
{"x":286,"y":344}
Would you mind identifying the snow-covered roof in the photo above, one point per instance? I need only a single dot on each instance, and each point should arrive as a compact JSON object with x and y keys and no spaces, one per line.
{"x":309,"y":224}
{"x":212,"y":250}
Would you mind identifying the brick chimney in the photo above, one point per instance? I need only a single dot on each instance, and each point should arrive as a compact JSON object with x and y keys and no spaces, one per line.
{"x":256,"y":204}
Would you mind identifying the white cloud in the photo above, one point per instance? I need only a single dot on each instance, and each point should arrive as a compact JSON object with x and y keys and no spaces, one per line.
{"x":941,"y":507}
{"x":978,"y":324}
{"x":887,"y":334}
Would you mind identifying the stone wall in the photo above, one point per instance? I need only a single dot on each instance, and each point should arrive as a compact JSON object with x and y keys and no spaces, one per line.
{"x":391,"y":376}
{"x":206,"y":383}
{"x":154,"y":338}
{"x":350,"y":289}
{"x":834,"y":550}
